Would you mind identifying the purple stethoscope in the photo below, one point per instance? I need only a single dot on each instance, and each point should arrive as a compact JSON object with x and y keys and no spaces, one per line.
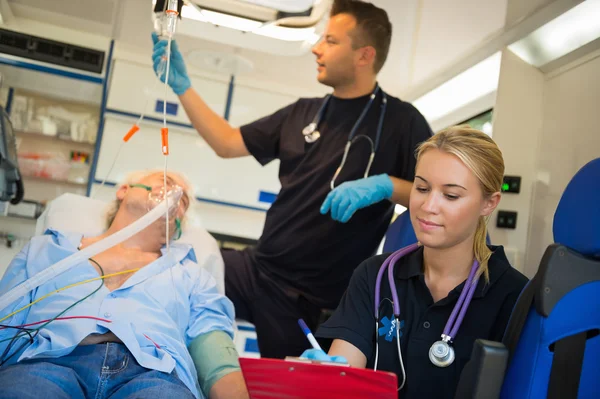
{"x":441,"y":354}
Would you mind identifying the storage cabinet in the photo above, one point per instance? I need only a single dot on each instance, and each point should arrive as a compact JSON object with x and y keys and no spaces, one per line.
{"x":55,"y":143}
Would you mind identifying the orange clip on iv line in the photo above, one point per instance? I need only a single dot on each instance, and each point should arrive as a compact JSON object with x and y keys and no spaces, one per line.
{"x":164,"y":132}
{"x":131,"y":132}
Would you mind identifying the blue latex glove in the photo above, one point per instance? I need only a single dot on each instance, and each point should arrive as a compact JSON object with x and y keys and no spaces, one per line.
{"x":320,"y":355}
{"x":179,"y":80}
{"x":351,"y":196}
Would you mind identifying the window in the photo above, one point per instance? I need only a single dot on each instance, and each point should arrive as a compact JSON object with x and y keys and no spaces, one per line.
{"x":481,"y":122}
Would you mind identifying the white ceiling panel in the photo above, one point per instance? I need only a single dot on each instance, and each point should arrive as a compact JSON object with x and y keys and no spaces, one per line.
{"x":98,"y":11}
{"x":449,"y":30}
{"x":90,"y":16}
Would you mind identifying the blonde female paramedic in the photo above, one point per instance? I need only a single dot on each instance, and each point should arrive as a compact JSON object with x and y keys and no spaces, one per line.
{"x":445,"y":292}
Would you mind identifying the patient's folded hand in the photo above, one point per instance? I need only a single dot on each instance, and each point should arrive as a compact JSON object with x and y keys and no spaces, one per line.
{"x":320,"y":355}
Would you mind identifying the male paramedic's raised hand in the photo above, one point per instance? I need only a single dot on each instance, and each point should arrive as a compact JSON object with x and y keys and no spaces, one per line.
{"x":178,"y":77}
{"x":351,"y":196}
{"x":320,"y":355}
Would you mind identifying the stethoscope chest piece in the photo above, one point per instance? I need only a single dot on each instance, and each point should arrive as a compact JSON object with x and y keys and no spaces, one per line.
{"x":310,"y":132}
{"x":441,"y":354}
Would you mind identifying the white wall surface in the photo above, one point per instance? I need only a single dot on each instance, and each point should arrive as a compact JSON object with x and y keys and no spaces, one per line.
{"x":135,"y":86}
{"x":228,"y":182}
{"x":251,"y":103}
{"x":547,"y":127}
{"x":517,"y":127}
{"x":570,"y":139}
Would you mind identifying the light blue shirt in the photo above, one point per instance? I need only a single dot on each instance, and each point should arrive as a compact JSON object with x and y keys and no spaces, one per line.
{"x":169,"y":302}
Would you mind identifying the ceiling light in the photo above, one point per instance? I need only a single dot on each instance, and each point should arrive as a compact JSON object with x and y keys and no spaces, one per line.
{"x":220,"y":19}
{"x":571,"y":30}
{"x":288,"y":34}
{"x":285,"y":5}
{"x":470,"y":85}
{"x":487,"y":128}
{"x":252,"y":26}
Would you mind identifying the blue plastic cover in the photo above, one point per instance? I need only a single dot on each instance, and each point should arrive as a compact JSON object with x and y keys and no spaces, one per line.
{"x":399,"y":234}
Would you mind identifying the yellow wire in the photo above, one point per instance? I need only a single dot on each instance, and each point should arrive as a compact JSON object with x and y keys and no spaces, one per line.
{"x":67,"y":287}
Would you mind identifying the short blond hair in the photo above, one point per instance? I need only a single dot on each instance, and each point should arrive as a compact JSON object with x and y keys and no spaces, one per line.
{"x":482,"y":156}
{"x":138,"y":176}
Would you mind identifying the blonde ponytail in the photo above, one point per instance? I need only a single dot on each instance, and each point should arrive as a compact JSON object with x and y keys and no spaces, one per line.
{"x":481,"y":250}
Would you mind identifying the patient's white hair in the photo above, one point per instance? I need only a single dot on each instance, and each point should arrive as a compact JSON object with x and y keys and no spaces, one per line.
{"x":136,"y":177}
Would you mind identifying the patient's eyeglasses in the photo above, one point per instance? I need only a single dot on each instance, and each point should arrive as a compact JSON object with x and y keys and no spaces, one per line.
{"x":156,"y":195}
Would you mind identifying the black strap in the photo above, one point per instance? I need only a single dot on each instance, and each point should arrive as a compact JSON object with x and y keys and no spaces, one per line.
{"x":518,"y":317}
{"x":566,"y":367}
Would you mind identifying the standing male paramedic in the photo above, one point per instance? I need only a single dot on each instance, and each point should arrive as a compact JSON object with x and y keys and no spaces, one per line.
{"x":314,"y":237}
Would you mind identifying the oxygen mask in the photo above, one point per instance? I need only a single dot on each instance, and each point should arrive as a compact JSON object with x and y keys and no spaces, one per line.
{"x":156,"y":195}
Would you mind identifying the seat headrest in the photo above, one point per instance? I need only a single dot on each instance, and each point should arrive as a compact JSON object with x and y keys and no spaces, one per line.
{"x":400,"y":233}
{"x":577,"y":217}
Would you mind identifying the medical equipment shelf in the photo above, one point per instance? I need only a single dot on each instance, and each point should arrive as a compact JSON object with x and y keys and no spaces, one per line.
{"x":42,"y":136}
{"x":56,"y":140}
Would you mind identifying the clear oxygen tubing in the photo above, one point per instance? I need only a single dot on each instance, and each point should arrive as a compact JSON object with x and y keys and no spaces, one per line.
{"x":88,"y":252}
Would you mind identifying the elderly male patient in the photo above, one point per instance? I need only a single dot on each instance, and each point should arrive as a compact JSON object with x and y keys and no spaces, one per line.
{"x":155,"y":327}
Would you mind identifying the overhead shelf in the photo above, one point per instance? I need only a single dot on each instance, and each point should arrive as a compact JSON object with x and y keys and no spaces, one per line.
{"x":53,"y":138}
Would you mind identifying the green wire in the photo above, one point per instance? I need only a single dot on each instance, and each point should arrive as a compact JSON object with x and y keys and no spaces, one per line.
{"x":58,"y":315}
{"x":145,"y":187}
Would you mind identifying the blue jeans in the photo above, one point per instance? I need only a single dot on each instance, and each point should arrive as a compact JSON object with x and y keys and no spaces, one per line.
{"x":91,"y":371}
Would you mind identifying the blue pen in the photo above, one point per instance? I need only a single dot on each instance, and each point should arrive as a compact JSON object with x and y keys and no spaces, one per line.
{"x":309,"y":335}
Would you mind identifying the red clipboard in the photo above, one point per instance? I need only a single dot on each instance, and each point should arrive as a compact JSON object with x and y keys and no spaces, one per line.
{"x":281,"y":379}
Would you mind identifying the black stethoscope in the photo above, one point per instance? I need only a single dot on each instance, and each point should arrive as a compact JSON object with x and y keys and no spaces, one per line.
{"x":441,"y":353}
{"x":312,"y":134}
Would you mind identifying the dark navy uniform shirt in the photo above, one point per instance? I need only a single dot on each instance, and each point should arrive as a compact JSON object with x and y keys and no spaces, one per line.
{"x":422,"y":321}
{"x":300,"y":248}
